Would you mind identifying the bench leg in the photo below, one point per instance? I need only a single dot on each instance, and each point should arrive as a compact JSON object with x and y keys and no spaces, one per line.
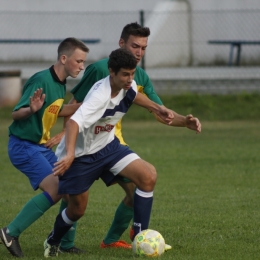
{"x":239,"y":47}
{"x":231,"y":55}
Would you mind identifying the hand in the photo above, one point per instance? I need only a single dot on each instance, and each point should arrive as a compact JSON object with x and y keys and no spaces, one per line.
{"x":61,"y":166}
{"x":193,"y":123}
{"x":165,"y":114}
{"x":54,"y":140}
{"x":37,"y":100}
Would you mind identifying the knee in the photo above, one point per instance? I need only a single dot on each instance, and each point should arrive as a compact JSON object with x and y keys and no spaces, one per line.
{"x":153,"y":171}
{"x":75,"y":210}
{"x":153,"y":178}
{"x":149,"y":180}
{"x":55,"y":198}
{"x":75,"y":213}
{"x":54,"y":195}
{"x":78,"y":214}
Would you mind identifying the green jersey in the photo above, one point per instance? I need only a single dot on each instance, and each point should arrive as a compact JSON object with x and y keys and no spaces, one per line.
{"x":98,"y":71}
{"x":36,"y":128}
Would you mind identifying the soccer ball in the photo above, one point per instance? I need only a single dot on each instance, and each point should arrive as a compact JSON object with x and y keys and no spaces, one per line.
{"x":148,"y":243}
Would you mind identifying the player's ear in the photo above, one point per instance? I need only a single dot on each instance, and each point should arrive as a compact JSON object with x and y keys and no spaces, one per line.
{"x":121,"y":43}
{"x":63,"y":59}
{"x":111,"y":72}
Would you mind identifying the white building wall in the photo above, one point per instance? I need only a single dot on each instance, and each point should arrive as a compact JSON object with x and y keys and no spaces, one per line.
{"x":53,"y":19}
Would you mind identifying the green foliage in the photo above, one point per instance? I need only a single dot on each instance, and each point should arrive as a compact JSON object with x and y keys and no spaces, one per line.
{"x":206,"y":200}
{"x":208,"y":107}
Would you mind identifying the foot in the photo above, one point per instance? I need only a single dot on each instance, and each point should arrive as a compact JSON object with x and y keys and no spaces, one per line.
{"x":11,"y":243}
{"x":49,"y":250}
{"x":167,"y":247}
{"x":72,"y":250}
{"x":117,"y":244}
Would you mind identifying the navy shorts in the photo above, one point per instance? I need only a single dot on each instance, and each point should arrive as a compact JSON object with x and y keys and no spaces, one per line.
{"x":87,"y":168}
{"x":34,"y":160}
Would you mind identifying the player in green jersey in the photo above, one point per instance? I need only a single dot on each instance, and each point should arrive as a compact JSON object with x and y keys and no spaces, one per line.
{"x":135,"y":39}
{"x":34,"y":116}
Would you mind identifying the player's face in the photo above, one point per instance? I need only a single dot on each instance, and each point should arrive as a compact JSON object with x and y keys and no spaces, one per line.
{"x":122,"y":80}
{"x":74,"y":63}
{"x":136,"y":45}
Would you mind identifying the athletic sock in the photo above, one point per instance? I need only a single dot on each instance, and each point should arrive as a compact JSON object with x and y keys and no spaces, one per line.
{"x":142,"y":210}
{"x":61,"y":227}
{"x":31,"y":211}
{"x":122,"y":218}
{"x":67,"y":240}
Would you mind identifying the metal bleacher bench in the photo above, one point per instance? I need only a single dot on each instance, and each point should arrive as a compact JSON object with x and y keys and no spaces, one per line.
{"x":43,"y":41}
{"x":234,"y":43}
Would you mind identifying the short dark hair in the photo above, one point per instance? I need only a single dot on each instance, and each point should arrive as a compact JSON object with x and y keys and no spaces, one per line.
{"x":134,"y":29}
{"x":69,"y":45}
{"x":121,"y":59}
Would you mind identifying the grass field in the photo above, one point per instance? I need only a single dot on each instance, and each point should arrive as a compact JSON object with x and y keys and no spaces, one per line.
{"x":206,"y":201}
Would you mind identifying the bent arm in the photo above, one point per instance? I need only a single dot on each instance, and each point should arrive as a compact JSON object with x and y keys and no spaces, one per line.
{"x":179,"y":120}
{"x":22,"y":113}
{"x":36,"y":102}
{"x":72,"y":130}
{"x":69,"y":109}
{"x":188,"y":121}
{"x":164,"y":113}
{"x":142,"y":101}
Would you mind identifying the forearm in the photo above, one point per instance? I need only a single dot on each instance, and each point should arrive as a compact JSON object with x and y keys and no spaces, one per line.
{"x":72,"y":130}
{"x":143,"y":101}
{"x":69,"y":109}
{"x":178,"y":121}
{"x":22,"y":113}
{"x":66,"y":118}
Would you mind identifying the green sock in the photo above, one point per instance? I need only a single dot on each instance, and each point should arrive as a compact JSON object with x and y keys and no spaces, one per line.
{"x":120,"y":223}
{"x":31,"y":211}
{"x":68,"y":239}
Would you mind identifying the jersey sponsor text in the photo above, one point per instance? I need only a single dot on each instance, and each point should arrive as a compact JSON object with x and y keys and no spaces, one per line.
{"x":106,"y":128}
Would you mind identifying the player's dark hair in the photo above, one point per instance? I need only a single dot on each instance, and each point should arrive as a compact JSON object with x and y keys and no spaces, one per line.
{"x":121,"y":59}
{"x":69,"y":45}
{"x":134,"y":29}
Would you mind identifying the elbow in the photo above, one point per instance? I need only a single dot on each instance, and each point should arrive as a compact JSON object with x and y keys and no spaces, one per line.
{"x":14,"y":116}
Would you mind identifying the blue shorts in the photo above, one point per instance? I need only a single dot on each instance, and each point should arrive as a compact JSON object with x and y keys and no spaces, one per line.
{"x":87,"y":168}
{"x":34,"y":160}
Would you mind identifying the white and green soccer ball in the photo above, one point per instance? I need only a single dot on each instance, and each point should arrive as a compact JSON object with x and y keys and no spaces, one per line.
{"x":148,"y":243}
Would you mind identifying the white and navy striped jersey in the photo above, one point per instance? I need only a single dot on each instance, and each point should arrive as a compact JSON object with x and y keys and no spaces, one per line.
{"x":97,"y":117}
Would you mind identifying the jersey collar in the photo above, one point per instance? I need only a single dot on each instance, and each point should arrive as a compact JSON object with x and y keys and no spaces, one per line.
{"x":55,"y":77}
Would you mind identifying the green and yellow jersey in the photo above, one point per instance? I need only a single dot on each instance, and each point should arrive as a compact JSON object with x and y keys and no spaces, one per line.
{"x":36,"y":128}
{"x":99,"y":70}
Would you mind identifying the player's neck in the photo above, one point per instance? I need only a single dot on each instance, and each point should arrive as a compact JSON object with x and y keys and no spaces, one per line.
{"x":114,"y":89}
{"x":59,"y":71}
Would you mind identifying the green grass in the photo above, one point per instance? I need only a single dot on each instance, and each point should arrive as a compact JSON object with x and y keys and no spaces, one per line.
{"x":206,"y":201}
{"x":243,"y":106}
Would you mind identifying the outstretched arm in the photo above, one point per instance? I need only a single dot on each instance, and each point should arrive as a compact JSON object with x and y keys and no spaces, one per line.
{"x":188,"y":121}
{"x":162,"y":112}
{"x":36,"y":103}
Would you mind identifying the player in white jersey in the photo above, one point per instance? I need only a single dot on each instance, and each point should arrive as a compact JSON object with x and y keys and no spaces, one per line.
{"x":90,"y":149}
{"x":97,"y":117}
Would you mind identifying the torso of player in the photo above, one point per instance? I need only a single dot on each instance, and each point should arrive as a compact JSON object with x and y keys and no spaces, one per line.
{"x":98,"y":116}
{"x":99,"y":70}
{"x":37,"y":127}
